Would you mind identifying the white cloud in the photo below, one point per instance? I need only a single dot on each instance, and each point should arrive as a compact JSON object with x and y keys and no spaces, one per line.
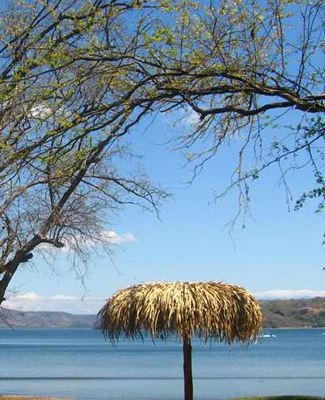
{"x":191,"y":118}
{"x":40,"y":111}
{"x":63,"y":297}
{"x":58,"y":302}
{"x":43,"y":111}
{"x":30,"y":296}
{"x":111,"y":237}
{"x":106,"y":237}
{"x":185,"y":118}
{"x":290,"y":294}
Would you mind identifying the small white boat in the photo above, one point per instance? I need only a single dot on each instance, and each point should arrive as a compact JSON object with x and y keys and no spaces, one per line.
{"x":268,"y":335}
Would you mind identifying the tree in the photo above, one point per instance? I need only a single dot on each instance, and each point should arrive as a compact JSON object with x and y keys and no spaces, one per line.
{"x":253,"y":71}
{"x":76,"y":76}
{"x":70,"y":89}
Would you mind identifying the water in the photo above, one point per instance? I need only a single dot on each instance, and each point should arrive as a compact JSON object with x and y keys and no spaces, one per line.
{"x":80,"y":364}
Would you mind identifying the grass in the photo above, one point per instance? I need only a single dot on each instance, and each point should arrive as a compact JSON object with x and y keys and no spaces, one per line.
{"x":282,"y":398}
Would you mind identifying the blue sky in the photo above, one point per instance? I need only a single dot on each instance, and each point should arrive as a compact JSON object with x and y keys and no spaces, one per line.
{"x":277,"y":254}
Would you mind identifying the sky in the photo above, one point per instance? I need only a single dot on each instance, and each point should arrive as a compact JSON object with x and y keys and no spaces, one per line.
{"x":278,"y":253}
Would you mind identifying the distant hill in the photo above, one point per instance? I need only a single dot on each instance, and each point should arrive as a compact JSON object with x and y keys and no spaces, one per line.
{"x":276,"y":313}
{"x":294,"y":313}
{"x":44,"y":319}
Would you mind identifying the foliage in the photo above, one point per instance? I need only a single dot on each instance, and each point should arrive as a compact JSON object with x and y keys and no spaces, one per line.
{"x":252,"y":75}
{"x":70,"y":89}
{"x":76,"y":77}
{"x":312,"y":133}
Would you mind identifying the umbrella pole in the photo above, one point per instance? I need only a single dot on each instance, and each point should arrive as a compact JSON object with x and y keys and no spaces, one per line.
{"x":187,"y":368}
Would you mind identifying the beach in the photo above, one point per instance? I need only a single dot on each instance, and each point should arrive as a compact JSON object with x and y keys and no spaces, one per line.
{"x":27,"y":398}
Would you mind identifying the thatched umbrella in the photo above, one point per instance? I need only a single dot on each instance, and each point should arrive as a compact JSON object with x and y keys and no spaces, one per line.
{"x":206,"y":309}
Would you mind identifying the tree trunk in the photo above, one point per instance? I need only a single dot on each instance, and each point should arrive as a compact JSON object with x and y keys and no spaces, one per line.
{"x":187,"y":368}
{"x":4,"y":282}
{"x":9,"y":269}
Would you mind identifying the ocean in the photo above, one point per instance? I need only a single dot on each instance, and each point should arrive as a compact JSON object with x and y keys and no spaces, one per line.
{"x":81,"y":364}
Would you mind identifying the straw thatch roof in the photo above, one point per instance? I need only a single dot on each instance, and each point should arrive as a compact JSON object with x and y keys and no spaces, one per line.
{"x":206,"y":309}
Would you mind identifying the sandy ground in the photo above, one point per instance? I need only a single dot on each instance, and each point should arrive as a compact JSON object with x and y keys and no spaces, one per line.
{"x":28,"y":398}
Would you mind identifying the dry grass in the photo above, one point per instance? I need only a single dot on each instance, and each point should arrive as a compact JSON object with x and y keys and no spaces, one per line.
{"x":206,"y":309}
{"x":292,"y":397}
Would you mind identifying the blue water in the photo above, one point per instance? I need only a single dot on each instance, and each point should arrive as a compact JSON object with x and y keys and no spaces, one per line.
{"x":80,"y":364}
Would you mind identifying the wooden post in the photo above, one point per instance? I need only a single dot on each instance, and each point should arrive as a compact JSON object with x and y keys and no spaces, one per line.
{"x":187,"y":368}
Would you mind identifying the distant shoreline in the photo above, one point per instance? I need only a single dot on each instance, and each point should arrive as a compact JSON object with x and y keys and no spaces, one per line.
{"x":277,"y":314}
{"x":17,"y":328}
